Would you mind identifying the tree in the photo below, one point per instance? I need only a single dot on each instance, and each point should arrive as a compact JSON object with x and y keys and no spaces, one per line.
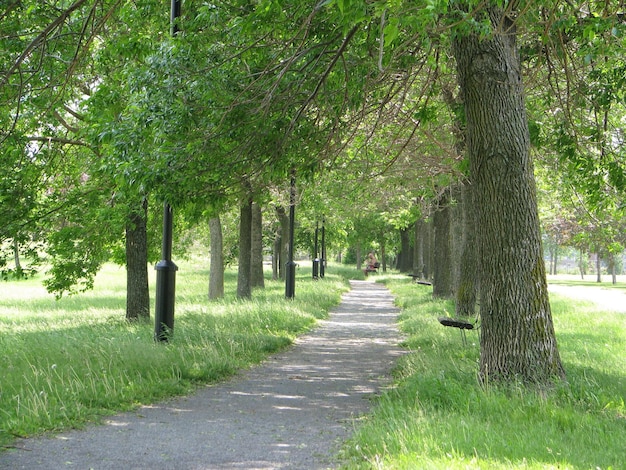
{"x":256,"y":249}
{"x":244,"y":286}
{"x":442,"y":275}
{"x":216,"y":270}
{"x":517,"y":334}
{"x":468,"y":279}
{"x":137,"y":291}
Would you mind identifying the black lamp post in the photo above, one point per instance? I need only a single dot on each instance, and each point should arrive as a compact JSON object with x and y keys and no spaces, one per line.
{"x":166,"y":268}
{"x":290,"y":272}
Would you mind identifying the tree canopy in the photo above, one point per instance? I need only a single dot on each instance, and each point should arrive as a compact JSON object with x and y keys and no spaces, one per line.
{"x":103,"y":111}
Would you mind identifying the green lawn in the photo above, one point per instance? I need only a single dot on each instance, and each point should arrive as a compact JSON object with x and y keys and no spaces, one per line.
{"x":439,"y":417}
{"x":71,"y":361}
{"x":68,"y":362}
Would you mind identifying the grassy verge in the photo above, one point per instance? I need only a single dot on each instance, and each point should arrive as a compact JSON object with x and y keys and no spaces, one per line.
{"x":438,"y":417}
{"x":68,"y":362}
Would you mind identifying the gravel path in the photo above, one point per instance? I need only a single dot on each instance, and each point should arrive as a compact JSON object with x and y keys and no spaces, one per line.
{"x":294,"y":411}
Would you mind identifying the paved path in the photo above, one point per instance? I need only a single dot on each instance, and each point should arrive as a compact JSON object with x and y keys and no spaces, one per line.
{"x":293,"y":411}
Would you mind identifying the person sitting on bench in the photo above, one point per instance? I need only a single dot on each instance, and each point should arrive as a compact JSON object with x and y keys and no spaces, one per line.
{"x":371,"y":264}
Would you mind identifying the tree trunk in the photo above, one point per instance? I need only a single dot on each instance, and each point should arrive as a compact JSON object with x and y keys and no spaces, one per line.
{"x":468,"y":276}
{"x":276,"y":255}
{"x":256,"y":255}
{"x":418,"y":249}
{"x":137,"y":290}
{"x":16,"y":257}
{"x":517,"y":335}
{"x":216,"y":269}
{"x":405,"y":258}
{"x":581,"y":265}
{"x":244,"y":288}
{"x":283,"y":220}
{"x":598,"y":267}
{"x":556,"y":258}
{"x":442,"y":275}
{"x":612,"y":268}
{"x":456,"y":235}
{"x":427,"y":236}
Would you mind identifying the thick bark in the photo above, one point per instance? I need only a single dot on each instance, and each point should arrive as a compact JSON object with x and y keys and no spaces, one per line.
{"x":137,"y":290}
{"x":442,"y":275}
{"x":456,"y":235}
{"x":256,"y":255}
{"x":244,"y":288}
{"x":517,"y":334}
{"x":405,"y":258}
{"x":468,"y":275}
{"x":216,"y":269}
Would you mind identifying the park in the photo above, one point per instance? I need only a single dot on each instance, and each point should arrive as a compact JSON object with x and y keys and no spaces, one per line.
{"x":193,"y":190}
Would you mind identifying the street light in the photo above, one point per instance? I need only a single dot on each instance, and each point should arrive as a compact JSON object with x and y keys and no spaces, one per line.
{"x":166,"y":268}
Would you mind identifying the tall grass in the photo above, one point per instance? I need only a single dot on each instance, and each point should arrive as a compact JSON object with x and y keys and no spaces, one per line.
{"x":68,"y":362}
{"x":439,"y":417}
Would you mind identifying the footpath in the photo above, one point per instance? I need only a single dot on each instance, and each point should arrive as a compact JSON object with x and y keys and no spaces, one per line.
{"x":292,"y":412}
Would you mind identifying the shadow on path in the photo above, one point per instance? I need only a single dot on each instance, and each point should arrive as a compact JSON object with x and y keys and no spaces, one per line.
{"x":293,"y":411}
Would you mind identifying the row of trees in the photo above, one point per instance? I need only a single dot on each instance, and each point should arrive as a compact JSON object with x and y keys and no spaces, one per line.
{"x":378,"y":108}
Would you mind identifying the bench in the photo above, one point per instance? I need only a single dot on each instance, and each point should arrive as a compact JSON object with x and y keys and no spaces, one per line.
{"x":418,"y":280}
{"x":456,"y":323}
{"x":373,"y":268}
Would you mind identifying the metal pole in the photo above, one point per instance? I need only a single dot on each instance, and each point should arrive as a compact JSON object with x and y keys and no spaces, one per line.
{"x":166,"y":269}
{"x":165,"y":283}
{"x":323,"y":260}
{"x":290,"y":272}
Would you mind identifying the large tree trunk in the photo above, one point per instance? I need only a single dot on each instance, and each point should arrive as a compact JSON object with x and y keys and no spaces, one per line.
{"x":517,"y":334}
{"x":216,"y":269}
{"x":468,"y":275}
{"x":137,"y":290}
{"x":442,"y":276}
{"x":456,"y":235}
{"x":256,"y":255}
{"x":405,"y":258}
{"x":244,"y":288}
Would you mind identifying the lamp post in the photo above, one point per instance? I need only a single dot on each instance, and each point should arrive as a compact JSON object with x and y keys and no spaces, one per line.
{"x":166,"y":268}
{"x":290,"y":272}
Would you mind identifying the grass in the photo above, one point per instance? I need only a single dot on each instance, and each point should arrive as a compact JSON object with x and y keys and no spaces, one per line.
{"x":72,"y":361}
{"x":439,"y":417}
{"x":68,"y":362}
